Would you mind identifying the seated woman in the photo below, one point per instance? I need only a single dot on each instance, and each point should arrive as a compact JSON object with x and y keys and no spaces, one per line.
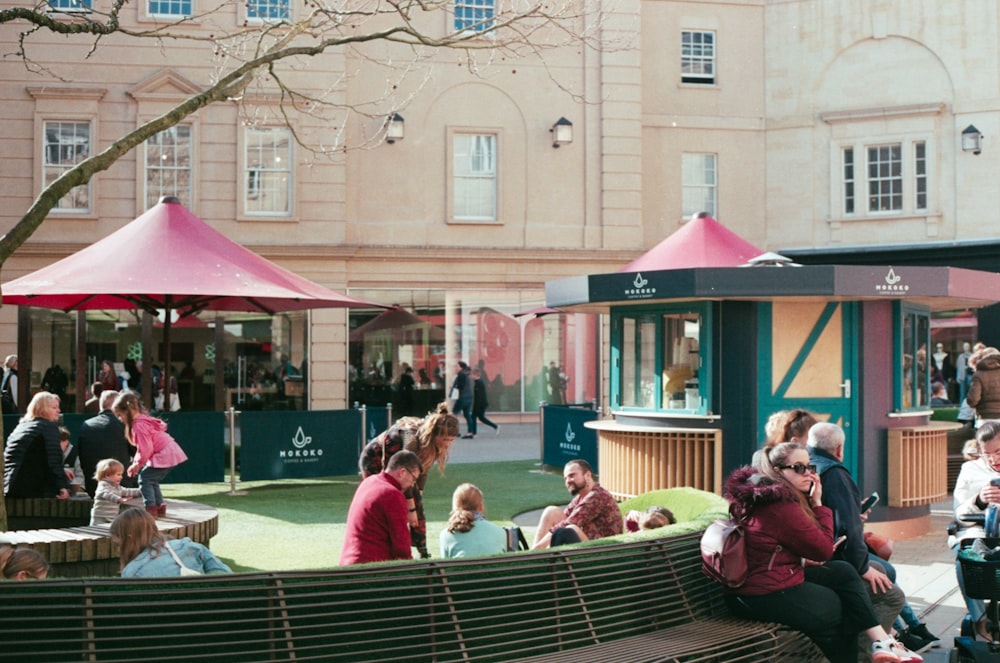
{"x":468,"y":533}
{"x":33,"y":458}
{"x":973,"y":494}
{"x":22,"y":564}
{"x":780,"y":502}
{"x":146,"y":552}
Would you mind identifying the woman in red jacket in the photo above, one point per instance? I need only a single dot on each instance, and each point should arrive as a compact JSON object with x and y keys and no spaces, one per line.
{"x":780,"y":502}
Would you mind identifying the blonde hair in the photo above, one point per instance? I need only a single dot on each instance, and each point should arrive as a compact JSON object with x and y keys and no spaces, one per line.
{"x":38,"y":403}
{"x":466,"y":501}
{"x":134,"y":530}
{"x":14,"y":561}
{"x":129,"y":406}
{"x":436,"y":427}
{"x":108,"y":466}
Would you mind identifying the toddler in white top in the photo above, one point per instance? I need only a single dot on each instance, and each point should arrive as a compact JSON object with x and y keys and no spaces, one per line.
{"x":109,"y":492}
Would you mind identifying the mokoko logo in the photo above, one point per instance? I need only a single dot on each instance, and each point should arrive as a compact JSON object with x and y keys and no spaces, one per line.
{"x":639,"y":289}
{"x":299,"y":452}
{"x":568,"y":445}
{"x":893,"y":284}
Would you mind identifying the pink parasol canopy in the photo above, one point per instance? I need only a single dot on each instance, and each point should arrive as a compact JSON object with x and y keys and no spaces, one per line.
{"x":170,"y":259}
{"x":701,"y":242}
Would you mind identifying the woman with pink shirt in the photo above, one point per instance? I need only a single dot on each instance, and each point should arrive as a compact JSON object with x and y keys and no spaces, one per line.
{"x":156,"y":451}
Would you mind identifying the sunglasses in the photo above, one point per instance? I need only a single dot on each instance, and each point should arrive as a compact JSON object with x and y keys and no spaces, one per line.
{"x":798,"y":468}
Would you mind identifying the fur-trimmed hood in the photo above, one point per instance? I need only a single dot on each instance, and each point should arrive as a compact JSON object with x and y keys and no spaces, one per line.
{"x":989,"y":362}
{"x":746,"y":489}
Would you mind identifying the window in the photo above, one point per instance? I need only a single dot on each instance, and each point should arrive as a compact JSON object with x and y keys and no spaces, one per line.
{"x":474,"y":15}
{"x":70,"y":5}
{"x":268,"y":10}
{"x":920,"y":174}
{"x":475,"y":177}
{"x":268,"y":164}
{"x":897,"y":177}
{"x":168,"y":165}
{"x":913,"y":339}
{"x":66,"y":144}
{"x":885,"y":178}
{"x":170,"y":7}
{"x":849,"y":181}
{"x":698,"y":57}
{"x":700,"y":183}
{"x":658,"y":358}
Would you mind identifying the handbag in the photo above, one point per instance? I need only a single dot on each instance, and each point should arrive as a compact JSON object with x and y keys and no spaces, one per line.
{"x":185,"y":570}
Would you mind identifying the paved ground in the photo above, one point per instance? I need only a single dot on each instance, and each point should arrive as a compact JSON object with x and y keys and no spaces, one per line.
{"x":925,"y":565}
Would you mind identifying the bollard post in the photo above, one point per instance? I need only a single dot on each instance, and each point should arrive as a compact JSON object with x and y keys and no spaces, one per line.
{"x":232,"y":453}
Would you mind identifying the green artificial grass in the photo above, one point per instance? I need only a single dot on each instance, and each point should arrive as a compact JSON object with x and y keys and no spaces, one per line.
{"x":299,"y":523}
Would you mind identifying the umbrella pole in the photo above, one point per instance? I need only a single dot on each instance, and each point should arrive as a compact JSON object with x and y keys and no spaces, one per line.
{"x":166,"y":355}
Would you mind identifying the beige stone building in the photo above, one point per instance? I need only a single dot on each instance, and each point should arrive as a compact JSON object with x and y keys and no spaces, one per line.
{"x":799,"y":124}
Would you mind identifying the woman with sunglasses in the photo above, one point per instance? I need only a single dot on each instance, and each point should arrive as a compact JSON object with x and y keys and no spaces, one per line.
{"x":789,"y":538}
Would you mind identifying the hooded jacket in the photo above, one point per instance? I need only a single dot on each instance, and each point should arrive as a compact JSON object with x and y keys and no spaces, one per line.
{"x":984,"y":392}
{"x":779,"y":534}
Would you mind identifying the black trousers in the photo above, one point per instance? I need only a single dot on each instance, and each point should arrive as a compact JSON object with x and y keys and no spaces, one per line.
{"x":831,"y":607}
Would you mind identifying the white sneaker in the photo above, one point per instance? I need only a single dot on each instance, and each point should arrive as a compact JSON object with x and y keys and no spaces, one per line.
{"x":905,"y":655}
{"x":883,"y":651}
{"x":498,"y":431}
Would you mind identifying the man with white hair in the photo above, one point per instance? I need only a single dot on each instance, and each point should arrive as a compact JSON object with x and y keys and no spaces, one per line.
{"x":841,"y":495}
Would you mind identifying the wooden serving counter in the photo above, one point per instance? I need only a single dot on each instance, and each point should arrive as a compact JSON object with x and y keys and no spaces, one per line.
{"x":634,"y":459}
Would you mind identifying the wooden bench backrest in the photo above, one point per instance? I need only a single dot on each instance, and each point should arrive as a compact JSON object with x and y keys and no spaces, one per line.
{"x":486,"y":609}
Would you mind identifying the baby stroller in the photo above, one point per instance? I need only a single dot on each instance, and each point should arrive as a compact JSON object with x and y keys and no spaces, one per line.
{"x":982,"y":581}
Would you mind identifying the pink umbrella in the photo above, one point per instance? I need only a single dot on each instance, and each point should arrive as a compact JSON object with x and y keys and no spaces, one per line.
{"x":170,"y":259}
{"x":701,"y":242}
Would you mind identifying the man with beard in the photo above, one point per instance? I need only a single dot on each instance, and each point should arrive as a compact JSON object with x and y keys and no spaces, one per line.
{"x":592,"y":514}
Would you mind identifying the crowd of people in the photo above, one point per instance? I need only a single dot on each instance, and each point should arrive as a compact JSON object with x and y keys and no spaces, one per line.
{"x":121,"y":453}
{"x":813,"y":566}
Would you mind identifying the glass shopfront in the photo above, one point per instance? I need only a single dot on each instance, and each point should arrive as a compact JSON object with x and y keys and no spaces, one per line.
{"x":264,"y":357}
{"x":524,"y":359}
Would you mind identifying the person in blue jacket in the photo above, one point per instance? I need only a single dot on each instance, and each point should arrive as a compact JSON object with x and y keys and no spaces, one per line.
{"x":144,"y":552}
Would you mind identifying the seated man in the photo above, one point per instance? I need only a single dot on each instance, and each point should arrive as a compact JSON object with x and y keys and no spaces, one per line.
{"x":592,"y":514}
{"x":841,"y":495}
{"x":377,"y":521}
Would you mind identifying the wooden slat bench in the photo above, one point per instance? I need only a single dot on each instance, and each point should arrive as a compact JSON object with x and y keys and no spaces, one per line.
{"x":631,"y":602}
{"x":80,"y":551}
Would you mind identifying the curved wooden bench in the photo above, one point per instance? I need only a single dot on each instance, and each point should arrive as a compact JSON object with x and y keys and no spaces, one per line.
{"x":80,"y":551}
{"x":638,"y":601}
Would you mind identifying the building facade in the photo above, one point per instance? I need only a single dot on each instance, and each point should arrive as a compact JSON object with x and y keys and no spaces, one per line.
{"x":800,"y":125}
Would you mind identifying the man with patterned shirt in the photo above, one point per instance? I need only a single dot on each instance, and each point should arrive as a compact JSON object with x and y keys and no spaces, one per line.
{"x":592,"y":514}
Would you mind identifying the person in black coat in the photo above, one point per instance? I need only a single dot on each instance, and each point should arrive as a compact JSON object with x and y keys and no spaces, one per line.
{"x":33,"y":458}
{"x":100,"y":437}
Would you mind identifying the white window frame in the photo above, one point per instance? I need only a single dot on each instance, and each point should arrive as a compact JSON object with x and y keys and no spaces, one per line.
{"x":914,"y":171}
{"x":71,"y":6}
{"x":474,"y":24}
{"x":58,"y":167}
{"x":178,"y":14}
{"x":699,"y":63}
{"x":169,"y":165}
{"x":266,"y":168}
{"x":471,"y":168}
{"x":696,"y":178}
{"x":252,"y":4}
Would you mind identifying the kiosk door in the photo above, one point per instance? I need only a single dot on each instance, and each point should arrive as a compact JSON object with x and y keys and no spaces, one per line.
{"x":807,"y":360}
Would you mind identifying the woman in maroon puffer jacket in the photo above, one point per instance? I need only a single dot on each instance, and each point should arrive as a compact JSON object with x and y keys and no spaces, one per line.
{"x":780,"y":501}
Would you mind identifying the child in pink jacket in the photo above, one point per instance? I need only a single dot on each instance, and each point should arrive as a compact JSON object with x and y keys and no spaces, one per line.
{"x":156,"y":451}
